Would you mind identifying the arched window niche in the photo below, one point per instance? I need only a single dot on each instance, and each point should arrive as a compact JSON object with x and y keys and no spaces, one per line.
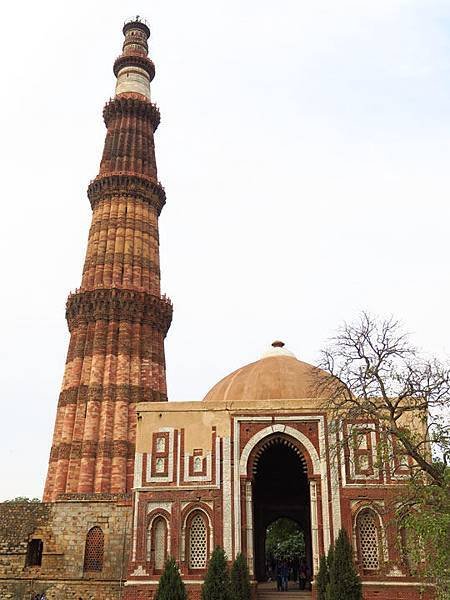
{"x":368,"y":538}
{"x":157,"y":542}
{"x":197,"y":541}
{"x":94,"y":549}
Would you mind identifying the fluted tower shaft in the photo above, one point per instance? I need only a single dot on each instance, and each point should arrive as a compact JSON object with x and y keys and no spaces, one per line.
{"x":117,"y":318}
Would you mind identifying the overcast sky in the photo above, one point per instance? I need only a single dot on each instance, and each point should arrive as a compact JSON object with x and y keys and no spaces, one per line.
{"x":304,"y":146}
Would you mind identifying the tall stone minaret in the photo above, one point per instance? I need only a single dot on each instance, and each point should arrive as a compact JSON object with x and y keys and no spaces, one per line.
{"x":117,"y":318}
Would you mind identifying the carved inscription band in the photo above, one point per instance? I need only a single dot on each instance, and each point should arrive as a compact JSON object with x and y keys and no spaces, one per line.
{"x":133,"y":107}
{"x":110,"y":393}
{"x":119,"y":305}
{"x":124,"y":185}
{"x":142,"y":62}
{"x":88,"y":449}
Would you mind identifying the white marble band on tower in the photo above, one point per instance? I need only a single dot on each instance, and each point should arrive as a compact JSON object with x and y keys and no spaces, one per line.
{"x":133,"y":69}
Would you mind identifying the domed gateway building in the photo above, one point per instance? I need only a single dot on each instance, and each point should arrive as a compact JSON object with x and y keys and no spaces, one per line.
{"x":257,"y":448}
{"x":133,"y":478}
{"x":254,"y":450}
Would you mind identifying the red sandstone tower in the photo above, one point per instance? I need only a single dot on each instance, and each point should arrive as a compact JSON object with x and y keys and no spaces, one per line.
{"x":117,"y":318}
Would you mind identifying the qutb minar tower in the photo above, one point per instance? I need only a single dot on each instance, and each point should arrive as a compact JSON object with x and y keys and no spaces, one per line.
{"x":117,"y":318}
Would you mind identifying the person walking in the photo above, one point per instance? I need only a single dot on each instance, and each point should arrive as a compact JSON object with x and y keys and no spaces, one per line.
{"x":284,"y":576}
{"x":302,"y":575}
{"x":278,"y":570}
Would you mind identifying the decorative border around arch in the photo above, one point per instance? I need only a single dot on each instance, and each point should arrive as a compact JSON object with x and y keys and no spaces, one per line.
{"x":311,"y":454}
{"x":273,"y":440}
{"x":157,"y":512}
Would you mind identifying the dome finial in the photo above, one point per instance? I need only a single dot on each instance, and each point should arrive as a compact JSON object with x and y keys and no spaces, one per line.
{"x":277,"y":348}
{"x":278,"y":344}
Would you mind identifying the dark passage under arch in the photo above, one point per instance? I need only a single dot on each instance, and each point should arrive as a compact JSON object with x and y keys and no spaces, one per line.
{"x":280,"y":489}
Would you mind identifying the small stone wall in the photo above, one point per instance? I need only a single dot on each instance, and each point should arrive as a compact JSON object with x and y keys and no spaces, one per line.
{"x":62,"y":526}
{"x":148,"y":592}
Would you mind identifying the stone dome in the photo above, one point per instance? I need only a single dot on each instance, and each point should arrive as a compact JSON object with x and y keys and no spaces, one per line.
{"x":277,"y":375}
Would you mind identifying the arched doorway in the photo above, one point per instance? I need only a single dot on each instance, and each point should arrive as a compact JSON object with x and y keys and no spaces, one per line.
{"x":280,"y":490}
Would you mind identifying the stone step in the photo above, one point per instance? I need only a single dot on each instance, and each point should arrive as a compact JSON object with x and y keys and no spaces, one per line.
{"x":289,"y":595}
{"x":284,"y":595}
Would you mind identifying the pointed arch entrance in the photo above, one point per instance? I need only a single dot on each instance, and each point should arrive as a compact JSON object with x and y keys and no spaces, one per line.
{"x":306,"y":465}
{"x":280,"y":490}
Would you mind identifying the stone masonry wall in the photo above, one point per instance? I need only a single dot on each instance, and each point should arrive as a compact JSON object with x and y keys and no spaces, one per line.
{"x":62,"y":527}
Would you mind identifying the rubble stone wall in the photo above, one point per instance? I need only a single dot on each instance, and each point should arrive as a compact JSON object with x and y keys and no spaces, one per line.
{"x":62,"y":527}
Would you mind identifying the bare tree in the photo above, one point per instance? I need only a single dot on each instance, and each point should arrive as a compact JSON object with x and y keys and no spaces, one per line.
{"x":375,"y":376}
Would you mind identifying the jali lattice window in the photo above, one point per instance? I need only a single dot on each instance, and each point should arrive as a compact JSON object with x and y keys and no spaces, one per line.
{"x":369,"y":544}
{"x":198,"y":543}
{"x":159,"y":543}
{"x":93,"y":553}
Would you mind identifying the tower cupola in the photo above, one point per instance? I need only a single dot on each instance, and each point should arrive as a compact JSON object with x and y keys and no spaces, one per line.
{"x":133,"y":69}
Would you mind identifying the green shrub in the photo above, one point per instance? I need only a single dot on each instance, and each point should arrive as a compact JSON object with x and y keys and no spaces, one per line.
{"x":240,"y":579}
{"x":171,"y":586}
{"x":344,"y":579}
{"x":323,"y":579}
{"x":217,"y":580}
